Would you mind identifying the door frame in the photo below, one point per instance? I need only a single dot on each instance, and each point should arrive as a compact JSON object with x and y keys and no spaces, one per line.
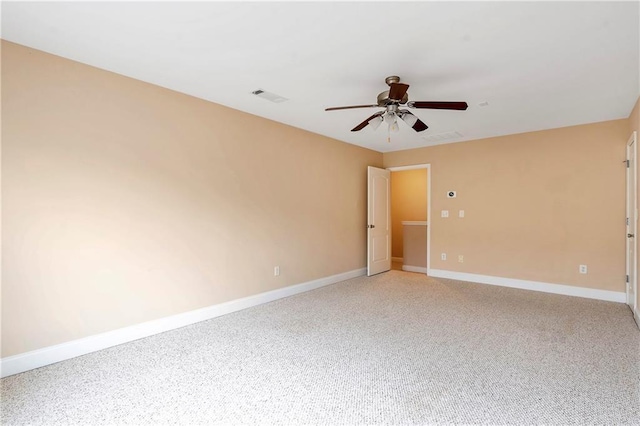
{"x":429,"y":221}
{"x":632,"y":215}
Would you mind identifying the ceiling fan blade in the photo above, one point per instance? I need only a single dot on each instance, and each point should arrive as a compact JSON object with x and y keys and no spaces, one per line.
{"x":365,"y":123}
{"x":461,"y":106}
{"x":397,"y":91}
{"x":350,"y":107}
{"x":413,"y":121}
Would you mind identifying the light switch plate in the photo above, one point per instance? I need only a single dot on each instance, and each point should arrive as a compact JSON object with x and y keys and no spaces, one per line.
{"x":444,"y":213}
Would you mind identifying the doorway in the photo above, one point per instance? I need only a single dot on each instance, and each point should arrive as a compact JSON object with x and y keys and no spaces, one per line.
{"x":410,"y":213}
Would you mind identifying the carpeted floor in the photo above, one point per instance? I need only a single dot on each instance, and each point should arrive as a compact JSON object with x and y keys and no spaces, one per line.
{"x":397,"y":348}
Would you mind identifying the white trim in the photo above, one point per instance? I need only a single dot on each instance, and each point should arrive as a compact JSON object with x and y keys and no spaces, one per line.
{"x":429,"y":216}
{"x":567,"y":290}
{"x":397,"y":259}
{"x":415,"y":222}
{"x":410,"y":268}
{"x":403,"y":168}
{"x":416,"y":167}
{"x":38,"y":358}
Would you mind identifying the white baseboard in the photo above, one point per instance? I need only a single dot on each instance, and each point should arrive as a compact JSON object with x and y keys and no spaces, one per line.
{"x":567,"y":290}
{"x":38,"y":358}
{"x":397,"y":259}
{"x":410,"y":268}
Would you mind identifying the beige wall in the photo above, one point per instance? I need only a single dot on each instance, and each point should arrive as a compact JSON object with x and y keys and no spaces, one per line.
{"x":536,"y":204}
{"x":125,"y":202}
{"x":408,"y":202}
{"x":634,"y":118}
{"x":414,"y":238}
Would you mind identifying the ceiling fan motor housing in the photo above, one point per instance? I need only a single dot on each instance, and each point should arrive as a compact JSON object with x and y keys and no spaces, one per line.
{"x":384,"y":100}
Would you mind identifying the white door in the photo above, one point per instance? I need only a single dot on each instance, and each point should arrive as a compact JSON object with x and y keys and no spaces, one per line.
{"x":632,"y":217}
{"x":378,"y":221}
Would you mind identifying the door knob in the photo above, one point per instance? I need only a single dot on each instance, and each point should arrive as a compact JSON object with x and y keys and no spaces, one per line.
{"x":630,"y":235}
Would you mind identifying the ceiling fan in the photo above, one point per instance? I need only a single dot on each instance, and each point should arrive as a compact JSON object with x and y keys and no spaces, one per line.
{"x":391,"y":100}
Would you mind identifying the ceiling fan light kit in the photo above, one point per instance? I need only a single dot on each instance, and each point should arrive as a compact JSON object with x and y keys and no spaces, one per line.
{"x":375,"y":122}
{"x":409,"y":118}
{"x":391,"y":99}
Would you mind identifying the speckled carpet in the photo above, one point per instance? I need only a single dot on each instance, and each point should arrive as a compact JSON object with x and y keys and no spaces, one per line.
{"x":397,"y":348}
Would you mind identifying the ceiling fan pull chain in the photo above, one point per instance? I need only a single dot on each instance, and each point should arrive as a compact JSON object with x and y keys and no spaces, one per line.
{"x":388,"y":134}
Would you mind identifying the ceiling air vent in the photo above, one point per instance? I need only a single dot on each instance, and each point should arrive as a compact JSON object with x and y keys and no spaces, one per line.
{"x":442,"y":136}
{"x":269,"y":96}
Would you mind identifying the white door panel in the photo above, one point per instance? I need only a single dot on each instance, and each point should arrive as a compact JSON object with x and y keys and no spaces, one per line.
{"x":632,"y":218}
{"x":379,"y":221}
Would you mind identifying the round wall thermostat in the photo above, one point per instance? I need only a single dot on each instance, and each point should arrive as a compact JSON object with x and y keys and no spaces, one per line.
{"x":451,"y":194}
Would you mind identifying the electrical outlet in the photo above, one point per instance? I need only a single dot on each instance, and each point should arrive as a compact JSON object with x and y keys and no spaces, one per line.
{"x":276,"y":271}
{"x":460,"y":258}
{"x":443,"y":256}
{"x":582,"y":269}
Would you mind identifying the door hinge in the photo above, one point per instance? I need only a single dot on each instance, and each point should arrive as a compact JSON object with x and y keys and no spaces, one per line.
{"x":627,"y":278}
{"x":627,"y":221}
{"x":627,"y":164}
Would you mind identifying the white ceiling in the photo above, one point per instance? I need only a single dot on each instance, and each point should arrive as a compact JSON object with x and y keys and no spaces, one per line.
{"x":539,"y":65}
